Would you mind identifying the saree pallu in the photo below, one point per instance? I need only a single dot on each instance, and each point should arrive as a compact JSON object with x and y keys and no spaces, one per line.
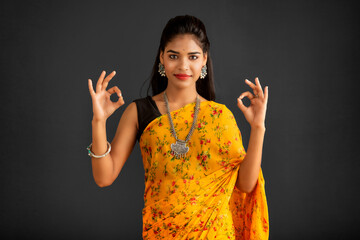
{"x":195,"y":197}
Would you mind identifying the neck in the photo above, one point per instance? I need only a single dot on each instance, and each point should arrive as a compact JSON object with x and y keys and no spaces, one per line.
{"x":181,"y":96}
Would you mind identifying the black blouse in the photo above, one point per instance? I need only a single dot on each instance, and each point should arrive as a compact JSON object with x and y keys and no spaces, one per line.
{"x":147,"y":111}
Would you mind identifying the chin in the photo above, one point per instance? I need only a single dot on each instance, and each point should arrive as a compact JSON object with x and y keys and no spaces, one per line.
{"x":183,"y":84}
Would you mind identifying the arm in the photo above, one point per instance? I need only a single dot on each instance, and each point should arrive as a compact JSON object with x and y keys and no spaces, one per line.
{"x":107,"y":169}
{"x":250,"y":166}
{"x":255,"y":115}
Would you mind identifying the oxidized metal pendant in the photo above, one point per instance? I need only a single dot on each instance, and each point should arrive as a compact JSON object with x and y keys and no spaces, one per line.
{"x":179,"y":148}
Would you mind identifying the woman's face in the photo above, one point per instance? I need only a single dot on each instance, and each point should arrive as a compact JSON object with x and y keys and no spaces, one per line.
{"x":183,"y":56}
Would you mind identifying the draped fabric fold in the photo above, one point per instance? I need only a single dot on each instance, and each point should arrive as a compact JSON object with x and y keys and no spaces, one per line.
{"x":195,"y":197}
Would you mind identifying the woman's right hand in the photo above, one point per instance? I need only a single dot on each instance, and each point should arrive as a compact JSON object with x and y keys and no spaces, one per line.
{"x":103,"y":107}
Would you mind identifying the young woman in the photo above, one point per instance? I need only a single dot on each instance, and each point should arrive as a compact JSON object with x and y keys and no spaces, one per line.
{"x":200,"y":183}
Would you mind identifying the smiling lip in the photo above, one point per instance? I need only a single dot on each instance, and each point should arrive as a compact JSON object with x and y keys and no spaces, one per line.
{"x":182,"y":76}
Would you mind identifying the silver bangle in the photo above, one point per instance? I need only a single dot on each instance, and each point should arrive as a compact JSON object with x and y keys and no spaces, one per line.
{"x":91,"y":154}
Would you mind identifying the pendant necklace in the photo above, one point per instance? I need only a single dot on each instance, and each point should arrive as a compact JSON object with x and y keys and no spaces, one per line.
{"x":179,"y":148}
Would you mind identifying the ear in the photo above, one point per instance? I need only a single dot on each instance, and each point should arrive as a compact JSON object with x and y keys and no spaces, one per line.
{"x":205,"y":59}
{"x":161,"y":56}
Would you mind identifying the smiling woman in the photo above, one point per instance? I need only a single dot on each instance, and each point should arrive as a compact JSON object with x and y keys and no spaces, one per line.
{"x":183,"y":60}
{"x":184,"y":49}
{"x":200,"y":183}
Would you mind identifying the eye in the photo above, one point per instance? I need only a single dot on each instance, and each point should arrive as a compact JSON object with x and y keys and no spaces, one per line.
{"x":172,"y":56}
{"x":195,"y":57}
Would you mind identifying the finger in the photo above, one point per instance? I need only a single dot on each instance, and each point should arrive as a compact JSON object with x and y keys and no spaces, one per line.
{"x":252,"y":85}
{"x":120,"y":101}
{"x":99,"y":82}
{"x":256,"y":88}
{"x":247,"y":94}
{"x":260,"y":92}
{"x":116,"y":90}
{"x":107,"y":80}
{"x":91,"y":89}
{"x":241,"y":105}
{"x":266,"y":93}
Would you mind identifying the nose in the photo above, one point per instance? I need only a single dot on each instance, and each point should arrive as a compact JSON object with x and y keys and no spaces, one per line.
{"x":183,"y":64}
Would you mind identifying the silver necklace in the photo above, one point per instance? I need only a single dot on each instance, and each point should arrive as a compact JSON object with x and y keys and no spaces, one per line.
{"x":179,"y":148}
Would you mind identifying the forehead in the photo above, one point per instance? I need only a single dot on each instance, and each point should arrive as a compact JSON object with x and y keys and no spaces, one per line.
{"x":183,"y":43}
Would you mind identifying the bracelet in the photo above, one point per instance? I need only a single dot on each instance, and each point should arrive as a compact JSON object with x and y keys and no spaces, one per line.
{"x":91,"y":154}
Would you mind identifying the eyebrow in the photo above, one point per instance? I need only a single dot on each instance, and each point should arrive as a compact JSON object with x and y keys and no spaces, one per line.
{"x":178,"y":52}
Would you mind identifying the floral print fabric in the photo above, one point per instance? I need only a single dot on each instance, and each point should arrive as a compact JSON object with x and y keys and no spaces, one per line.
{"x":195,"y":197}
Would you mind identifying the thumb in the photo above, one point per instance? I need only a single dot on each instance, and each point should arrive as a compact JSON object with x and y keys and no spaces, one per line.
{"x":241,"y":105}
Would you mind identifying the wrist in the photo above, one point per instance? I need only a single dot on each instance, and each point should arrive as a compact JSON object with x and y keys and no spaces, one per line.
{"x":258,"y":127}
{"x":98,"y":121}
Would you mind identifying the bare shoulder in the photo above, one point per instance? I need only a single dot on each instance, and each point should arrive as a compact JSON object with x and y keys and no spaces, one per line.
{"x":130,"y":115}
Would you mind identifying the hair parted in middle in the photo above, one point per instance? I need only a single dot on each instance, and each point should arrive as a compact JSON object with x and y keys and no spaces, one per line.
{"x":184,"y":25}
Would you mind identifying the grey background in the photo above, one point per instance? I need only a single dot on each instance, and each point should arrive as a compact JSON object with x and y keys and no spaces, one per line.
{"x":307,"y":52}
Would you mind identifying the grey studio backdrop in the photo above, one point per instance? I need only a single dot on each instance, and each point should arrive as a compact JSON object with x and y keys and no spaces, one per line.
{"x":307,"y":52}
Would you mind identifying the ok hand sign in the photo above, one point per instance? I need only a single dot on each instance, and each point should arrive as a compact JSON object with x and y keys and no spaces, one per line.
{"x":103,"y":107}
{"x":255,"y":113}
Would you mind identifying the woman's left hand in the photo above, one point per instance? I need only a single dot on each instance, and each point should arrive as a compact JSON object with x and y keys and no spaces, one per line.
{"x":255,"y":113}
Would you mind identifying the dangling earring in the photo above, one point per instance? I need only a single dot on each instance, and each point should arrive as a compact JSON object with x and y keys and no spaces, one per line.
{"x":203,"y":72}
{"x":161,"y":69}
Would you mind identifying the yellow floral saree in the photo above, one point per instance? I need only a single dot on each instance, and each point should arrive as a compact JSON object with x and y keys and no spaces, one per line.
{"x":195,"y":197}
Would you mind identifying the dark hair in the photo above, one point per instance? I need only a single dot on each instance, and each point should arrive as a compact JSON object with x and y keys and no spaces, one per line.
{"x":184,"y":25}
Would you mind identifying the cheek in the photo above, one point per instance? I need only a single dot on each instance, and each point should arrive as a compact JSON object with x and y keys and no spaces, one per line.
{"x":197,"y":67}
{"x":170,"y":65}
